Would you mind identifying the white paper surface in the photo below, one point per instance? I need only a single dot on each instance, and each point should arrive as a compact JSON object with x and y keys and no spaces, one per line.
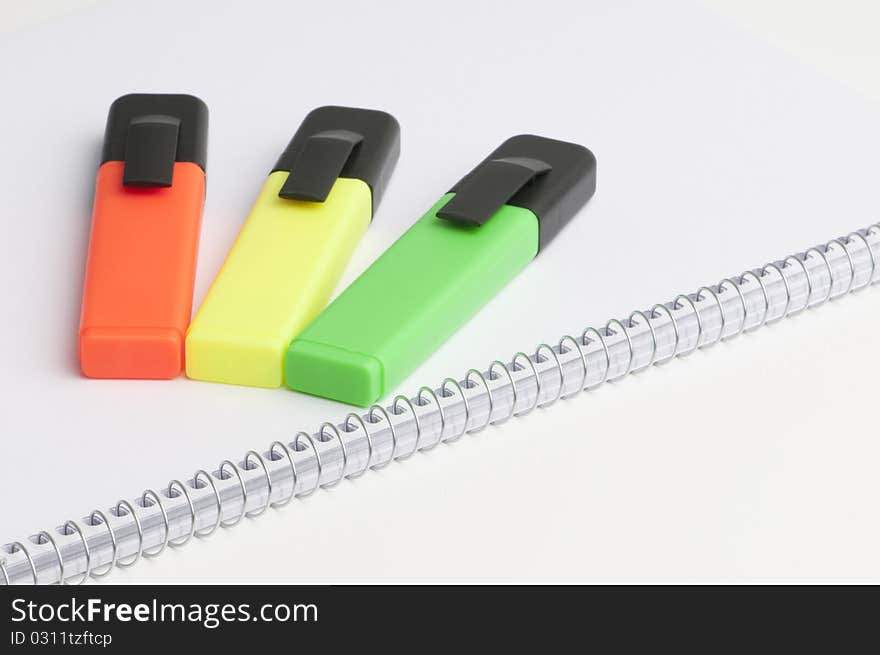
{"x":715,"y":153}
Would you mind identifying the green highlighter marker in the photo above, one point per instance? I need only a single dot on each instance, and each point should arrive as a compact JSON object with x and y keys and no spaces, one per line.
{"x":442,"y":270}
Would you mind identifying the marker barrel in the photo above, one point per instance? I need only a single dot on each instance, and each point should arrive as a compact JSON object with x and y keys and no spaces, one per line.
{"x":140,"y":267}
{"x":417,"y":294}
{"x":310,"y":215}
{"x":278,"y":276}
{"x":442,"y":270}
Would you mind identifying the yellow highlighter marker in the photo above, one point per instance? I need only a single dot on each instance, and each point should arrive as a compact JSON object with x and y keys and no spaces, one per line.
{"x":313,"y":209}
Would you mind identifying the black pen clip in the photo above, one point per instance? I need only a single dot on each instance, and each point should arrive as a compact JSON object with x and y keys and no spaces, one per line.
{"x":150,"y":151}
{"x":319,"y":164}
{"x":340,"y":142}
{"x":489,"y":187}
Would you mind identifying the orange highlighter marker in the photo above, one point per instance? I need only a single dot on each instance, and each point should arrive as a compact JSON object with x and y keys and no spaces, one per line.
{"x":140,"y":269}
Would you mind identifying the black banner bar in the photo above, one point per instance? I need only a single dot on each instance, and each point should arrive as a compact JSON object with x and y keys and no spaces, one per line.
{"x":329,"y":618}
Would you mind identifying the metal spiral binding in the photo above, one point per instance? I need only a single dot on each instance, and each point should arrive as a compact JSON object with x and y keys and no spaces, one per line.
{"x":223,"y":498}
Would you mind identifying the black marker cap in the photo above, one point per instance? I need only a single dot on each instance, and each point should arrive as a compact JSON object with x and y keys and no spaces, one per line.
{"x":553,"y":179}
{"x":335,"y":142}
{"x":152,"y":131}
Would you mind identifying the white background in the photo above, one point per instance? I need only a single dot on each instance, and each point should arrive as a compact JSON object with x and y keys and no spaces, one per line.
{"x":718,"y":150}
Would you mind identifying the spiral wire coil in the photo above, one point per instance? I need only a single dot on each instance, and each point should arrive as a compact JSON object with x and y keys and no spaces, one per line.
{"x":197,"y":507}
